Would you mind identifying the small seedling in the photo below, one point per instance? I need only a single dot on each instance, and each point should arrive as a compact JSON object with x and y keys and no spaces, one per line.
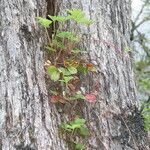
{"x":65,"y":61}
{"x":65,"y":65}
{"x":78,"y":124}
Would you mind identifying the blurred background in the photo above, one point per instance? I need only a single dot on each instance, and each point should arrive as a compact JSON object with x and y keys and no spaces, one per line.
{"x":140,"y":36}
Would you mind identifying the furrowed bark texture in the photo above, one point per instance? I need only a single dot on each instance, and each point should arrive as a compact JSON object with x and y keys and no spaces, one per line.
{"x":28,"y":120}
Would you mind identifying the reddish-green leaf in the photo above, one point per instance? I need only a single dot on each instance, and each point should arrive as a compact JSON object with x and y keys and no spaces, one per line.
{"x":90,"y":98}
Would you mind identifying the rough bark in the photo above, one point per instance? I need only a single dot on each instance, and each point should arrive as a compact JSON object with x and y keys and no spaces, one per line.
{"x":115,"y":118}
{"x":29,"y":121}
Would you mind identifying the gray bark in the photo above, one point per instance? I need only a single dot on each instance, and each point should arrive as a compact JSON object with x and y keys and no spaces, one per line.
{"x":28,"y":119}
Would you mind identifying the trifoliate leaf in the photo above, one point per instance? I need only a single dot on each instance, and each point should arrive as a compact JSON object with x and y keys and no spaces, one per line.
{"x":72,"y":70}
{"x":64,"y":71}
{"x":44,"y":22}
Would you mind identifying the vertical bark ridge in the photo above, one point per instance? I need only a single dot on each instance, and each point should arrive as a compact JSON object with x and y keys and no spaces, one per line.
{"x":28,"y":121}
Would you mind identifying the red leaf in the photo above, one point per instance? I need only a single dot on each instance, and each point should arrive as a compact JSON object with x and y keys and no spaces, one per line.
{"x":89,"y":66}
{"x":55,"y":98}
{"x":90,"y":98}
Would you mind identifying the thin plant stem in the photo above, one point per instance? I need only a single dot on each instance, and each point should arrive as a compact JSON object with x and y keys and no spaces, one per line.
{"x":49,"y":40}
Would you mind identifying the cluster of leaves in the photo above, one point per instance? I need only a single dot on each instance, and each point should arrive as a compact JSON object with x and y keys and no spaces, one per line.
{"x":146,"y":115}
{"x":64,"y":66}
{"x":143,"y":76}
{"x":65,"y":63}
{"x":77,"y":126}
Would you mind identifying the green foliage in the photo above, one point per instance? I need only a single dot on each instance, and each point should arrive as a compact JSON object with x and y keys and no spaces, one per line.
{"x":82,"y":69}
{"x":84,"y":131}
{"x":79,"y":96}
{"x":142,"y":49}
{"x":64,"y":65}
{"x":58,"y":18}
{"x":66,"y":79}
{"x":68,"y":35}
{"x":146,"y":115}
{"x":57,"y":43}
{"x":75,"y":14}
{"x":64,"y":71}
{"x":72,"y":70}
{"x":79,"y":16}
{"x":54,"y":73}
{"x":78,"y":124}
{"x":143,"y":76}
{"x":79,"y":146}
{"x":44,"y":22}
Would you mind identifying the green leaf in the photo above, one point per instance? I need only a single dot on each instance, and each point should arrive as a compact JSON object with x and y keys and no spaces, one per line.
{"x":58,"y":18}
{"x":79,"y":146}
{"x":146,"y":115}
{"x":66,"y":127}
{"x":74,"y":126}
{"x":72,"y":70}
{"x":79,"y":16}
{"x":64,"y":71}
{"x":76,"y":13}
{"x":79,"y":96}
{"x":55,"y":76}
{"x":84,"y":131}
{"x":44,"y":22}
{"x":67,"y":78}
{"x":79,"y":121}
{"x":82,"y":69}
{"x":54,"y":73}
{"x":67,"y":35}
{"x":57,"y":43}
{"x":52,"y":69}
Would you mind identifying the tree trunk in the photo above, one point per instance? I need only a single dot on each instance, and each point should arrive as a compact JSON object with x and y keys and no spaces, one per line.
{"x":28,"y":119}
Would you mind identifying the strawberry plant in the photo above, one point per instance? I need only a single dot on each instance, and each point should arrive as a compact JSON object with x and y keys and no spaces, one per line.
{"x":74,"y":128}
{"x":77,"y":124}
{"x":64,"y":66}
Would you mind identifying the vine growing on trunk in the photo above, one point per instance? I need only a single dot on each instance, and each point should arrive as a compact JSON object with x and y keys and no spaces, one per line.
{"x":64,"y":67}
